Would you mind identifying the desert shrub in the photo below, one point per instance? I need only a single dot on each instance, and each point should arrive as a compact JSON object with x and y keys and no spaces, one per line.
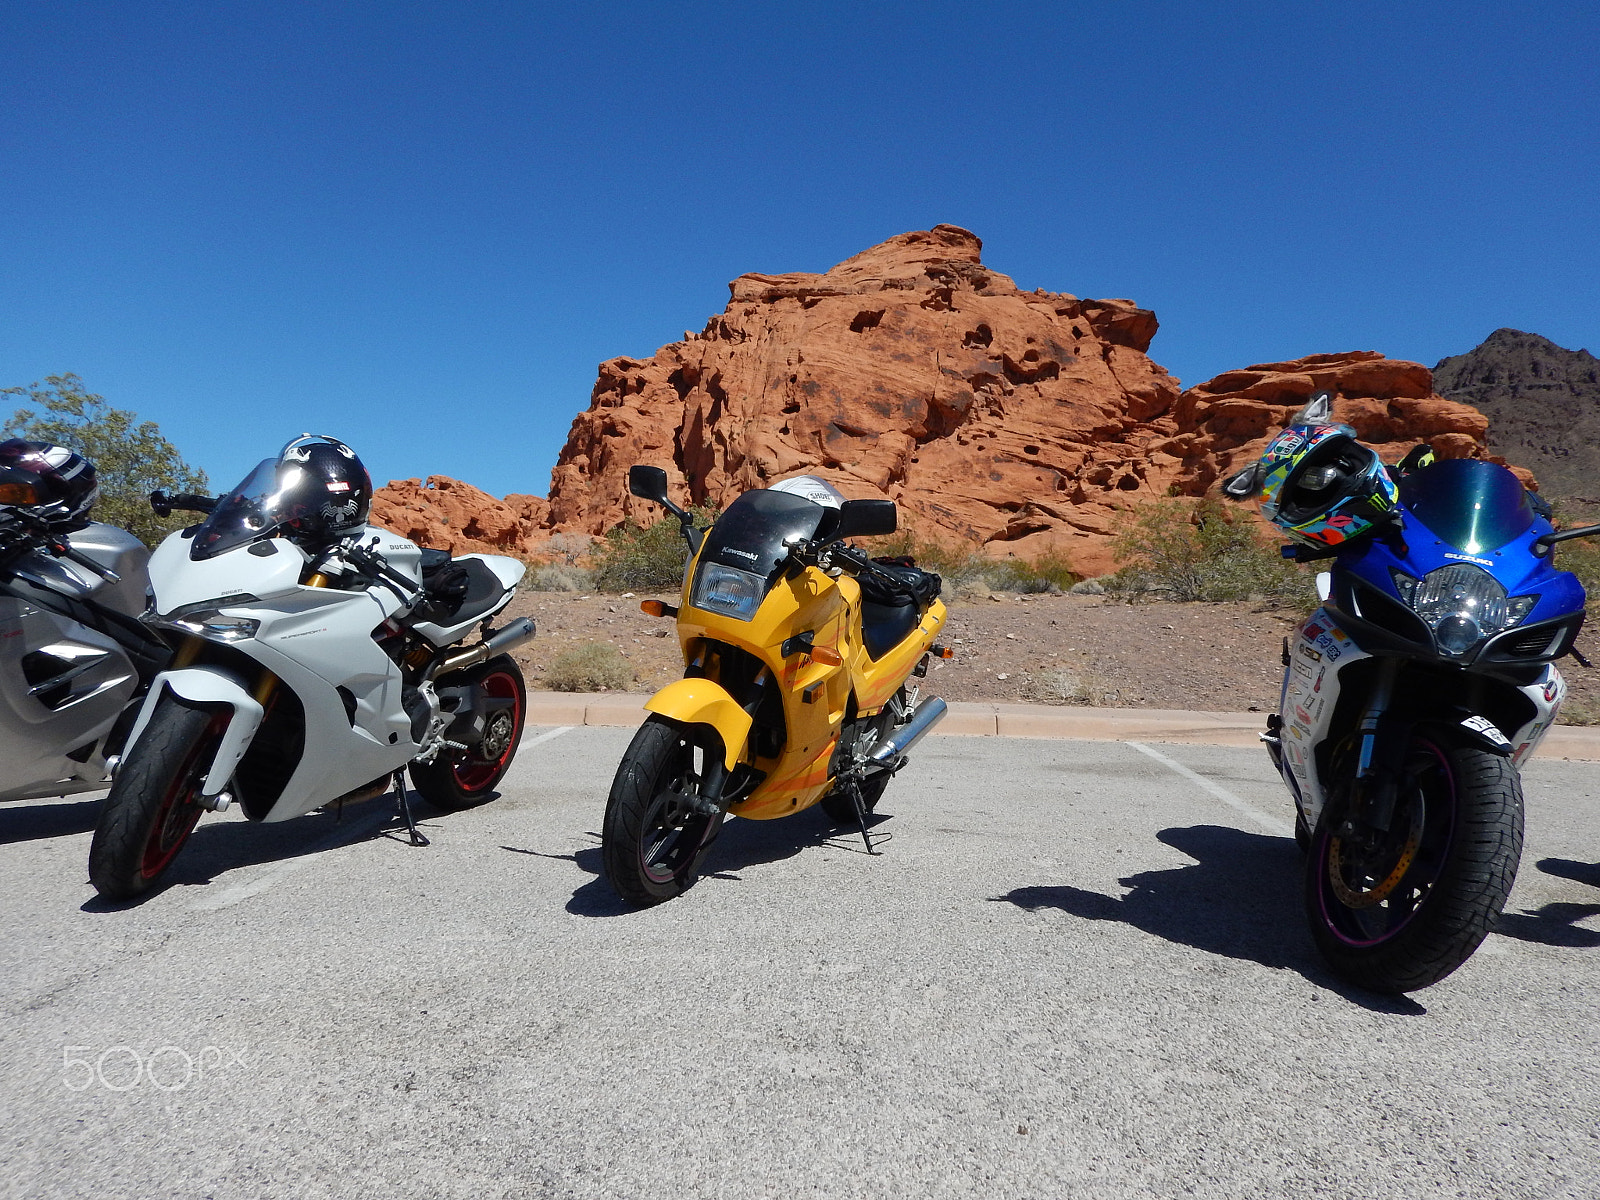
{"x":1050,"y":572}
{"x":1064,"y":686}
{"x":591,"y":667}
{"x":1203,"y":552}
{"x":559,"y":577}
{"x":640,"y":558}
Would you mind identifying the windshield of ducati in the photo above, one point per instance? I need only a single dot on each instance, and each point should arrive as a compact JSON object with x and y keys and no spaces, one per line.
{"x":1474,"y":506}
{"x":253,"y":510}
{"x":744,"y":549}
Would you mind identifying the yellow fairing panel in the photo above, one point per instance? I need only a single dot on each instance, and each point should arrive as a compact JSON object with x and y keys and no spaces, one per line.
{"x":705,"y":702}
{"x":876,"y":681}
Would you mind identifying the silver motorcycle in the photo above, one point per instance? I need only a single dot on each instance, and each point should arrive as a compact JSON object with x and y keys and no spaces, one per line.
{"x":75,"y":661}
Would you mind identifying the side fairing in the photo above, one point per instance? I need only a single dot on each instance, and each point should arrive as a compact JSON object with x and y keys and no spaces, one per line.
{"x":1319,"y":653}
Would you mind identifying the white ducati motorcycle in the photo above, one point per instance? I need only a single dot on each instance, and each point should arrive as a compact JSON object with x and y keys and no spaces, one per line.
{"x":317,"y":657}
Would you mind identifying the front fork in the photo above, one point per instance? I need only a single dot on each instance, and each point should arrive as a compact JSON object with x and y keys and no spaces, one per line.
{"x":1376,"y":785}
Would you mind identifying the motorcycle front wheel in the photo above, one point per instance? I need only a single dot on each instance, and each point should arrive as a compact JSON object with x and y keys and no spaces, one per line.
{"x":154,"y":803}
{"x":458,"y":779}
{"x":652,"y":841}
{"x":1399,"y":910}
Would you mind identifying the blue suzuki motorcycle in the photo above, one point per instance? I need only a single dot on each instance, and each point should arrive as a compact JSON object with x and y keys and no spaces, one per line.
{"x":1414,"y":694}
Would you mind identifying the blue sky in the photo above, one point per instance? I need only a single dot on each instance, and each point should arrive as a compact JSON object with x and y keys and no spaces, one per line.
{"x":420,"y":226}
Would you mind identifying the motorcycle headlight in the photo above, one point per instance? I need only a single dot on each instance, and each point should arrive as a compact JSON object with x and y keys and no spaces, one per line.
{"x":1462,"y":604}
{"x":209,"y":623}
{"x":727,"y":590}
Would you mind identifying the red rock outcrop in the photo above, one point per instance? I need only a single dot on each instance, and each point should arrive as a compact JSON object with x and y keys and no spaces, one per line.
{"x":1025,"y":421}
{"x":1224,"y":423}
{"x":446,"y":514}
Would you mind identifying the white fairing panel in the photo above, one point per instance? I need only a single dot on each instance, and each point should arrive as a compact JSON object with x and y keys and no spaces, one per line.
{"x":1547,"y":692}
{"x":264,"y":570}
{"x":1318,"y":654}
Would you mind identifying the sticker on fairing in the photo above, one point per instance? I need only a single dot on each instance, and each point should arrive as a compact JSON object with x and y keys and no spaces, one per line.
{"x":1310,"y":653}
{"x":1486,"y":727}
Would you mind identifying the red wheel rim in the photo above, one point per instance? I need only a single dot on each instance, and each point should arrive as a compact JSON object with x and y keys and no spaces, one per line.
{"x":474,"y":774}
{"x":180,"y":811}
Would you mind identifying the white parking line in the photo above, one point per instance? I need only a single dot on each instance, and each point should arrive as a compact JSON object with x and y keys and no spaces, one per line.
{"x":529,"y":743}
{"x":1270,"y":824}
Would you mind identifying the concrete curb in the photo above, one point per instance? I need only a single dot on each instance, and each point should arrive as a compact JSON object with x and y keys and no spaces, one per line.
{"x":1034,"y":721}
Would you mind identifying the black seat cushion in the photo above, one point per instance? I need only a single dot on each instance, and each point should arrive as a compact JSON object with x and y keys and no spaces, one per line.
{"x":457,"y":589}
{"x":885,"y":626}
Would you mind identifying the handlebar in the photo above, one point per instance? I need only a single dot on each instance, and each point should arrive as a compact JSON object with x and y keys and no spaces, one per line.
{"x":62,"y":550}
{"x":164,"y":504}
{"x":367,"y":560}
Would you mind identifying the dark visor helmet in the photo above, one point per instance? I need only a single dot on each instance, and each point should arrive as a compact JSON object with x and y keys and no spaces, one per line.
{"x":52,"y":482}
{"x":315,"y":490}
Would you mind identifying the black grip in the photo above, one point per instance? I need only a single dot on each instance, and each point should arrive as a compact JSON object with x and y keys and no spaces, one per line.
{"x":163,"y":504}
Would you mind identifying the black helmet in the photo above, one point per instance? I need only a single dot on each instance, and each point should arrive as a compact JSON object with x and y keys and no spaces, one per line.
{"x":315,"y":489}
{"x":52,"y":482}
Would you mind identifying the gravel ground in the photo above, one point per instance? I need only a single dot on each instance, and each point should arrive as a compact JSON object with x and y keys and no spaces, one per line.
{"x":1028,"y":649}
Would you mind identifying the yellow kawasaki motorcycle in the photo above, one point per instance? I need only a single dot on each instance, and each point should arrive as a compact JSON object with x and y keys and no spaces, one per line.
{"x":800,"y":656}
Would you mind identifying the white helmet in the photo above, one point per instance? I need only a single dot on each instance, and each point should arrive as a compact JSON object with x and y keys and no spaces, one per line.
{"x":809,"y":487}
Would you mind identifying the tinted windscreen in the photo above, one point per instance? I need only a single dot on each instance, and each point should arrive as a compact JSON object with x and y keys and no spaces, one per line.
{"x":1474,"y":506}
{"x":751,"y":534}
{"x":242,"y":516}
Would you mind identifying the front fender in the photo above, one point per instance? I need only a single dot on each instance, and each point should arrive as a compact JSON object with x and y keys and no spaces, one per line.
{"x":704,"y":702}
{"x":205,"y":685}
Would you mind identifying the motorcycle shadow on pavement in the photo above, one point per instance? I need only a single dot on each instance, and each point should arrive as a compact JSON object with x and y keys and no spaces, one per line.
{"x":30,"y":821}
{"x":218,"y":847}
{"x":739,"y":845}
{"x":1556,"y":923}
{"x":1240,"y":898}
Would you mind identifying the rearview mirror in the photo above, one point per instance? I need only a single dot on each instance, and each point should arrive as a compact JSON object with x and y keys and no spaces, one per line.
{"x":866,"y":518}
{"x":648,"y":483}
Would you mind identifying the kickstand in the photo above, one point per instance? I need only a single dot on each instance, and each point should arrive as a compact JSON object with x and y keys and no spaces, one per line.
{"x":861,"y":816}
{"x":417,"y":839}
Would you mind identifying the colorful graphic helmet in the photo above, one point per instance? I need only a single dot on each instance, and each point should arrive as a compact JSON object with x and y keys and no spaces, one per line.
{"x":52,"y":482}
{"x":1321,"y":486}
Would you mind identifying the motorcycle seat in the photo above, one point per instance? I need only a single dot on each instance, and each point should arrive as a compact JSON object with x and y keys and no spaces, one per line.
{"x":885,"y":626}
{"x":460,"y":589}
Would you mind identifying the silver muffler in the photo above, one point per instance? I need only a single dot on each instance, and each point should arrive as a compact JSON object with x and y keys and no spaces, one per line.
{"x":928,"y":714}
{"x":500,"y":641}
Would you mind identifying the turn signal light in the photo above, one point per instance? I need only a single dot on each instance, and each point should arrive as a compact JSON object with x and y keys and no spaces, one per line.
{"x":657,"y":608}
{"x":18,"y":493}
{"x":828,"y":658}
{"x":941,"y":651}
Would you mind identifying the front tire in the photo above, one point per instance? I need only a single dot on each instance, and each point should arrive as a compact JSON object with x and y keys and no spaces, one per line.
{"x":652,"y":841}
{"x":155,"y":802}
{"x":1402,"y":910}
{"x":458,"y":779}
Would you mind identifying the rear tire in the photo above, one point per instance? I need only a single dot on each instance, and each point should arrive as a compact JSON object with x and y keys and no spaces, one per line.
{"x":651,"y":843}
{"x":1404,"y":913}
{"x":458,"y":779}
{"x":155,"y":802}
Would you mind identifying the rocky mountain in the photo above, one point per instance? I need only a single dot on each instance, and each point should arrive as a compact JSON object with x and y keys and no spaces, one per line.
{"x":1024,"y":422}
{"x":1543,"y":405}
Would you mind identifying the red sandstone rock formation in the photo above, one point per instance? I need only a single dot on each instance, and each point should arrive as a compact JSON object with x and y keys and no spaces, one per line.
{"x":1025,"y":421}
{"x":448,"y":515}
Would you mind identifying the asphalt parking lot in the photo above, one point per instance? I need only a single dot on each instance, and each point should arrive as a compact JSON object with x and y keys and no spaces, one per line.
{"x":1077,"y":969}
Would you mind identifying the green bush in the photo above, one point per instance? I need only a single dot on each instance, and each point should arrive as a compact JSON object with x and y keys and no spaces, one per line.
{"x":1050,"y":572}
{"x":591,"y":667}
{"x":130,"y":457}
{"x":1204,"y":551}
{"x":646,"y":558}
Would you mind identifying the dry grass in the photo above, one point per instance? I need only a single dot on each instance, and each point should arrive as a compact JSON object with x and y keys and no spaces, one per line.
{"x":591,"y":667}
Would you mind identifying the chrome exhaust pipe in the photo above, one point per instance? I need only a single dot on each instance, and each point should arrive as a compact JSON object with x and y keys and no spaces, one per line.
{"x":513,"y":635}
{"x":929,"y":713}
